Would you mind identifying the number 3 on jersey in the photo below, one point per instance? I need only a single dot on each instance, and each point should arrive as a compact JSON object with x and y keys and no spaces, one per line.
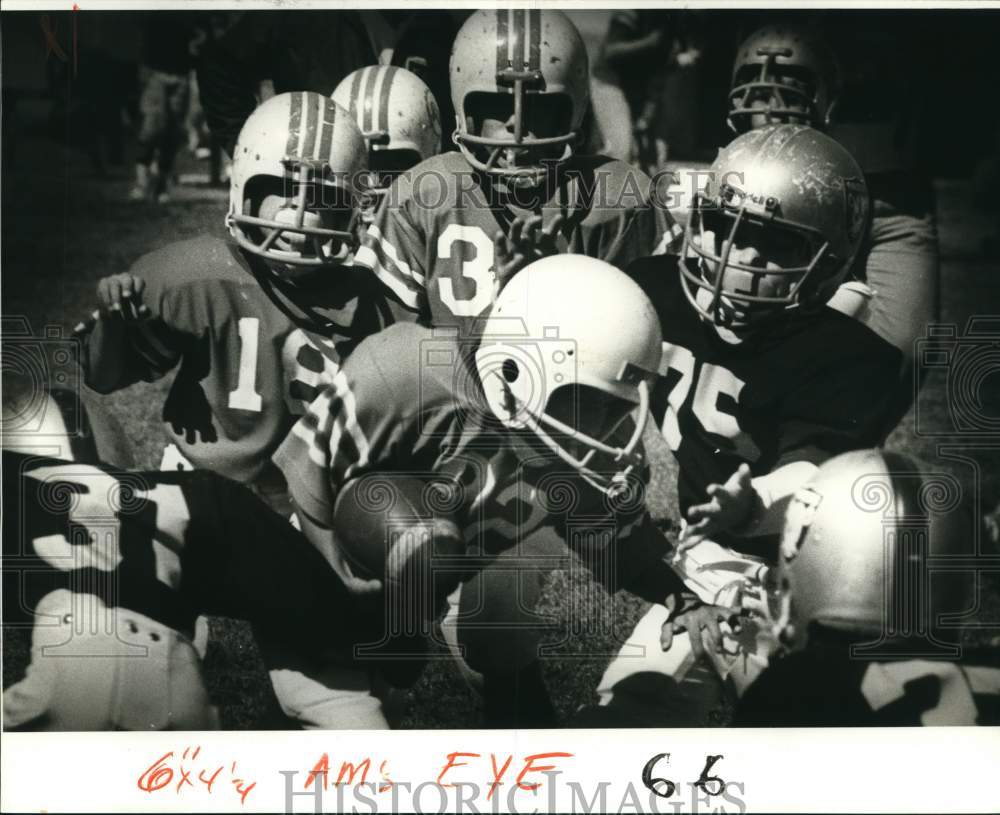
{"x":245,"y":397}
{"x":479,"y":270}
{"x":714,"y":386}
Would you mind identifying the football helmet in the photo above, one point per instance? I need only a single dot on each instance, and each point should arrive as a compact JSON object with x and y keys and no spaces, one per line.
{"x":304,"y":151}
{"x":565,"y":327}
{"x":857,"y":550}
{"x":777,"y":226}
{"x":398,"y":118}
{"x":783,"y":74}
{"x":531,"y":57}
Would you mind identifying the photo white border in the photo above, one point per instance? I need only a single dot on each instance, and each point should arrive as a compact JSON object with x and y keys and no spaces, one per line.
{"x":781,"y":770}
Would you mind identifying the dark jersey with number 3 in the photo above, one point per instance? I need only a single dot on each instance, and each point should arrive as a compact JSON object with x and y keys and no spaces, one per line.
{"x":252,"y":350}
{"x":804,"y":388}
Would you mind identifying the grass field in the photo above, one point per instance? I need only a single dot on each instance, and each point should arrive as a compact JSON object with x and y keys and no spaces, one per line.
{"x":64,"y":228}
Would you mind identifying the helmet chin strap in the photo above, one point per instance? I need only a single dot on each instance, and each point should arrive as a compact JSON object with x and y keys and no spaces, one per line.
{"x":605,"y":484}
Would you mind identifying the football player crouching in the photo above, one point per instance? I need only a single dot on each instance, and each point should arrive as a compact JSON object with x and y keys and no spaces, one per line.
{"x":520,"y":87}
{"x":537,"y":442}
{"x":760,"y":382}
{"x":857,"y":645}
{"x":399,"y":119}
{"x":257,"y":322}
{"x":106,"y":569}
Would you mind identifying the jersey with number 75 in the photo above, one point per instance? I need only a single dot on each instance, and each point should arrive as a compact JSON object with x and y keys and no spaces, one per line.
{"x":251,"y":351}
{"x":805,"y":387}
{"x":432,"y":239}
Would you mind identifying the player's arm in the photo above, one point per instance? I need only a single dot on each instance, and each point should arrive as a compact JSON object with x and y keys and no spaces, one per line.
{"x":748,"y":506}
{"x":127,"y":339}
{"x":351,"y":426}
{"x":394,"y":248}
{"x":642,"y":226}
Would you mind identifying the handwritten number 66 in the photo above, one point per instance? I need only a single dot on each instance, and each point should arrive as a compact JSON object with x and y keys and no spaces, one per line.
{"x":667,"y":787}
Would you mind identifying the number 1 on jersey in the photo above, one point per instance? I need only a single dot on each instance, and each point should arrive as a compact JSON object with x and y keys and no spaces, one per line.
{"x":245,"y":397}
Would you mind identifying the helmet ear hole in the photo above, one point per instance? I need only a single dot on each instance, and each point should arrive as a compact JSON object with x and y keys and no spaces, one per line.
{"x":510,"y":370}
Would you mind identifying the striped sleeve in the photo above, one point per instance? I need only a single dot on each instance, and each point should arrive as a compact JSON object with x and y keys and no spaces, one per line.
{"x":324,"y":449}
{"x":392,"y":249}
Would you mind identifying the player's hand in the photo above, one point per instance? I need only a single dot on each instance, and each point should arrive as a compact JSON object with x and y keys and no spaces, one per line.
{"x":701,"y":621}
{"x":526,"y":242}
{"x":121,"y":295}
{"x":728,"y":509}
{"x":119,"y":298}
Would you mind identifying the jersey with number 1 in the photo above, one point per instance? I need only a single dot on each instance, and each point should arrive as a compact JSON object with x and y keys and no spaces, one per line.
{"x":432,"y":239}
{"x":250,"y":351}
{"x":803,"y":389}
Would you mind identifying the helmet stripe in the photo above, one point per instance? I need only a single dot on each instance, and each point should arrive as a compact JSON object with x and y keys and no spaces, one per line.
{"x":535,"y":39}
{"x":309,"y":137}
{"x":503,"y":39}
{"x":388,"y":75}
{"x":294,"y":125}
{"x":355,"y":91}
{"x":326,"y":137}
{"x":518,"y":39}
{"x":369,"y":100}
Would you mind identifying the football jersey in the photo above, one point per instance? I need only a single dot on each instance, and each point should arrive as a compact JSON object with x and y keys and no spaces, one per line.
{"x":813,"y":689}
{"x":166,"y":545}
{"x":802,"y":388}
{"x":432,"y":239}
{"x":403,"y":403}
{"x":252,"y":349}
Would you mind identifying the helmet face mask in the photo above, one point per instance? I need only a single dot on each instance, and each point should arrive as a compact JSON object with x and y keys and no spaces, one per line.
{"x":776,"y":229}
{"x":300,"y":221}
{"x":856,"y":558}
{"x":293,"y":198}
{"x":569,"y":368}
{"x":782,"y":75}
{"x":517,"y":144}
{"x":780,"y":258}
{"x":520,"y":87}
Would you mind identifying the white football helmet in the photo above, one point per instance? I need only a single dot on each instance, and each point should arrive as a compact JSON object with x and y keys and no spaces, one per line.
{"x":562,"y":324}
{"x":858,"y":550}
{"x":532,"y":56}
{"x":303,"y":150}
{"x":396,"y":112}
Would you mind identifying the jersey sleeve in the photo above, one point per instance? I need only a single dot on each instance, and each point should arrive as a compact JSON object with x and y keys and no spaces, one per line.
{"x":843,"y":405}
{"x":393,"y":249}
{"x":117,"y":355}
{"x":359,"y":422}
{"x":640,"y":227}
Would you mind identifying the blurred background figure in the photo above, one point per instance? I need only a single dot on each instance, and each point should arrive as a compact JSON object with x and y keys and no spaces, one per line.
{"x":659,"y":59}
{"x":272,"y":52}
{"x":166,"y":62}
